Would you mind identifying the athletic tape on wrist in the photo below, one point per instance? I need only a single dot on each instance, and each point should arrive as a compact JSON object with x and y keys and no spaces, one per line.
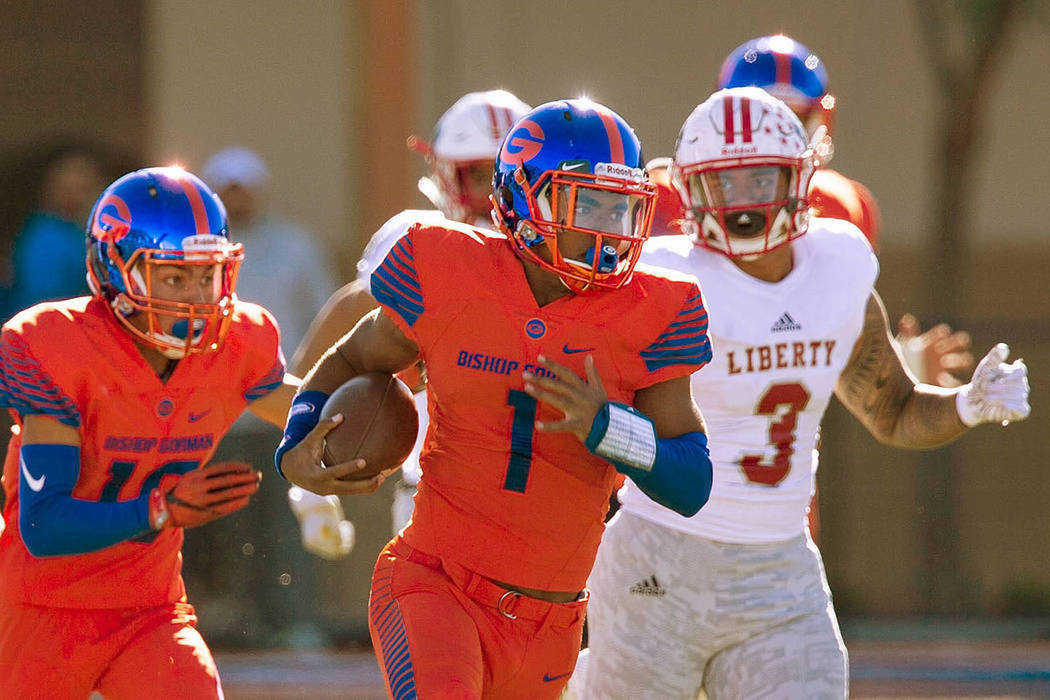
{"x":621,"y":434}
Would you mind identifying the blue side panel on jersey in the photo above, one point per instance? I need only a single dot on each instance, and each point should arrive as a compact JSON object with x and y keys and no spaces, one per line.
{"x":685,"y":342}
{"x":27,"y":388}
{"x":395,"y":283}
{"x":273,"y":379}
{"x":397,"y":660}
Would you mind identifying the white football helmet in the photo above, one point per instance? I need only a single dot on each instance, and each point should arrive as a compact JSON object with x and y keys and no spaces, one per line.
{"x":742,"y":166}
{"x":466,"y":139}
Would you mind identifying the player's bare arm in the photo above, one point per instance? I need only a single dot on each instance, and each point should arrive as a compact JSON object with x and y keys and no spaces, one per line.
{"x":340,"y":313}
{"x":273,"y":408}
{"x":376,"y":344}
{"x":877,"y":389}
{"x":44,"y":430}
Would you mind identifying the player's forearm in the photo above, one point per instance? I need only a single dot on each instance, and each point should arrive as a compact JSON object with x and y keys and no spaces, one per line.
{"x":895,"y":410}
{"x":681,"y":476}
{"x":875,"y":387}
{"x":52,"y":522}
{"x":273,"y":408}
{"x":675,"y":472}
{"x":376,"y":344}
{"x":927,"y":419}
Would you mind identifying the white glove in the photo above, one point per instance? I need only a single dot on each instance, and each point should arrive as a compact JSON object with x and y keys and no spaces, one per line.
{"x":997,"y":392}
{"x":323,"y":528}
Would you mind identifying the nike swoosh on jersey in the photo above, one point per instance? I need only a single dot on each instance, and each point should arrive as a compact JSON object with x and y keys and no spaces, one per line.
{"x":194,"y":417}
{"x":34,"y":484}
{"x":572,"y":351}
{"x":547,"y":678}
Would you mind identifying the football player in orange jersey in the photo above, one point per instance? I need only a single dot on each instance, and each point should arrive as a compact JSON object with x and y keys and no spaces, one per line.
{"x":119,"y":400}
{"x":461,"y":157}
{"x":553,"y":365}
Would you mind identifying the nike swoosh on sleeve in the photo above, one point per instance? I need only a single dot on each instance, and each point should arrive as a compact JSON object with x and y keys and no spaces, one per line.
{"x":34,"y":484}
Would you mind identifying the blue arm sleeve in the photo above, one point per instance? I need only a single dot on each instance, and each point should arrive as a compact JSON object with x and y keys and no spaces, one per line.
{"x":681,"y":476}
{"x":52,"y":522}
{"x":681,"y":473}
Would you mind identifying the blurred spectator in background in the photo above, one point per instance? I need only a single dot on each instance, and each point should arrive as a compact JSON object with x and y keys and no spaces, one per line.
{"x":258,"y":549}
{"x":48,"y":251}
{"x":288,"y":272}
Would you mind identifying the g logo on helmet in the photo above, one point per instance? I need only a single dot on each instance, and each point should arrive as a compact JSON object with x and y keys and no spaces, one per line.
{"x":523,"y":143}
{"x":112,"y":219}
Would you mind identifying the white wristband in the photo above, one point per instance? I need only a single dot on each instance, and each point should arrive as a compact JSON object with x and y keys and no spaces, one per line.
{"x":629,"y":439}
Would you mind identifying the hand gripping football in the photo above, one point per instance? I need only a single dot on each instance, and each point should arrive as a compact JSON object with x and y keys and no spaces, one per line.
{"x":379,"y":423}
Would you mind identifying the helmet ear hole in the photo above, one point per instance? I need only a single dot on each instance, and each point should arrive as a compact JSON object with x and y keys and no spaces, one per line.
{"x":506,"y":197}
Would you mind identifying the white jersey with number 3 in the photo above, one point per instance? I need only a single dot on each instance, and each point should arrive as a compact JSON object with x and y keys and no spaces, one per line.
{"x":778,"y":351}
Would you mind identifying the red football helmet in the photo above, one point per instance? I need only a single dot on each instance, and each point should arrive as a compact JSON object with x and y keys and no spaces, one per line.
{"x":463,"y":154}
{"x":742,"y":165}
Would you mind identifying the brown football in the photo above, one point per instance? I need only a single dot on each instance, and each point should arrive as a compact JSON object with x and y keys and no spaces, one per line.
{"x":379,"y":423}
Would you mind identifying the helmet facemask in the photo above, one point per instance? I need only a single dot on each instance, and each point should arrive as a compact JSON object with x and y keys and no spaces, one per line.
{"x":612,"y":214}
{"x":140,"y":289}
{"x":746,"y":209}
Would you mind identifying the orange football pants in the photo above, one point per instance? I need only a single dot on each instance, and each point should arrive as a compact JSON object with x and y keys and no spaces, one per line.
{"x":60,"y":654}
{"x":442,"y":631}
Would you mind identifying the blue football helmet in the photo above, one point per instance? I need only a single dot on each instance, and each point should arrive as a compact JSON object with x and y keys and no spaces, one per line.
{"x":158,"y":250}
{"x":574,"y":165}
{"x":787,"y":70}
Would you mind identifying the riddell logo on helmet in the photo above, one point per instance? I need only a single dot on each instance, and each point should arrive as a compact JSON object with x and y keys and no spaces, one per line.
{"x":202,"y":246}
{"x":739,"y":150}
{"x":618,"y":170}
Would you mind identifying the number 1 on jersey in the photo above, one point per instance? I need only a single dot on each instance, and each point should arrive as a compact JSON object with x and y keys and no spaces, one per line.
{"x":521,"y":430}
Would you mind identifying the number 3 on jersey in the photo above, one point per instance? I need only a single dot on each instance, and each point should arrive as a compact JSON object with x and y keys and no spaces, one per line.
{"x":782,"y":402}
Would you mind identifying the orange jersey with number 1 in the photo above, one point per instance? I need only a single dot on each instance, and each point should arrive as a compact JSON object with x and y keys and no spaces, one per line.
{"x":496,"y":496}
{"x":72,"y":361}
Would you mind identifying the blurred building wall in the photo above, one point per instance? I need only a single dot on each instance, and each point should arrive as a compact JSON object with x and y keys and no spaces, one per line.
{"x":307,"y":83}
{"x":270,"y":75}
